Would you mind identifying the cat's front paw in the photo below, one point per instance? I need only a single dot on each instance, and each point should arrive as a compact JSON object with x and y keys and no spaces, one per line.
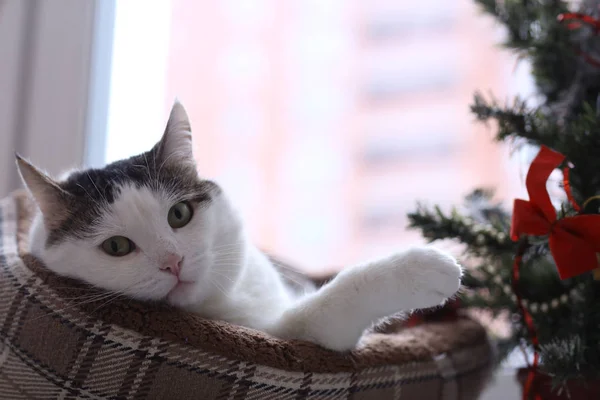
{"x":434,"y":275}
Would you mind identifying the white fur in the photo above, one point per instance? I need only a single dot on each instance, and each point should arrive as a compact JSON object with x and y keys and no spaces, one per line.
{"x":234,"y":281}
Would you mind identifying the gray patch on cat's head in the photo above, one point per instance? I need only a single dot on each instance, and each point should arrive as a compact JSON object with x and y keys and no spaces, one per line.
{"x":71,"y":207}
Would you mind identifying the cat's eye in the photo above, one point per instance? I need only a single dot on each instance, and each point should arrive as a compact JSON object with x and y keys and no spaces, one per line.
{"x":118,"y":246}
{"x":180,"y":215}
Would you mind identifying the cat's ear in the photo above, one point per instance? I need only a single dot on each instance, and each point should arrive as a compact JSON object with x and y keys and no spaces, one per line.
{"x":48,"y":195}
{"x":176,"y":143}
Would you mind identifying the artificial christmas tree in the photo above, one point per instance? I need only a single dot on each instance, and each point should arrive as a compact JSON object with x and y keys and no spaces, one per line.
{"x":534,"y":262}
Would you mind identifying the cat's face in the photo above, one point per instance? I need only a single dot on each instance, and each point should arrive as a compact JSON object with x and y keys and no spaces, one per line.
{"x":148,"y":227}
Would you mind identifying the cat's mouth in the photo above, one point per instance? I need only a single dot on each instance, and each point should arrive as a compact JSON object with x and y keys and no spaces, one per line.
{"x":180,"y":290}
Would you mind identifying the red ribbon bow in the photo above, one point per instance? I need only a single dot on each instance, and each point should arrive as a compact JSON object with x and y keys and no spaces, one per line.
{"x":581,"y":19}
{"x":574,"y":241}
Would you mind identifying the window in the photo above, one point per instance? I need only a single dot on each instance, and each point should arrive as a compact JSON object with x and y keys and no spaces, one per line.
{"x":396,"y":19}
{"x":383,"y":218}
{"x":423,"y":66}
{"x":242,"y":121}
{"x":137,"y":105}
{"x":404,"y":83}
{"x":410,"y":135}
{"x":388,"y":196}
{"x":282,"y":97}
{"x":389,"y":148}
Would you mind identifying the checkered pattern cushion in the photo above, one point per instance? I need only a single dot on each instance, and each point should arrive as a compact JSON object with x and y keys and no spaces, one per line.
{"x":56,"y":347}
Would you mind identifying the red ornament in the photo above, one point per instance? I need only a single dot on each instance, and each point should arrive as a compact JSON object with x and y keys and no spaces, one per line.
{"x":578,"y":21}
{"x":574,"y":241}
{"x":529,"y":383}
{"x":573,"y":390}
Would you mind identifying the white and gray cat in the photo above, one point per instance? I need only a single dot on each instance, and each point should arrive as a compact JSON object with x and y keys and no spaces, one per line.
{"x":151,"y":228}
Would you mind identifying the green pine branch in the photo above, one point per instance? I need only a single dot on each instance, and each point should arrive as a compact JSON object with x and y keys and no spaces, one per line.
{"x":576,"y":139}
{"x":534,"y":32}
{"x":480,"y":239}
{"x":566,"y":313}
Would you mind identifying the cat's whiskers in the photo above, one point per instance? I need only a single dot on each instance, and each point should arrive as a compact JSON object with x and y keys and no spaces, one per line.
{"x":218,"y":269}
{"x":232,"y":250}
{"x":223,"y":275}
{"x":154,"y":167}
{"x":124,"y":290}
{"x":227,"y":246}
{"x":220,"y":265}
{"x":153,"y":182}
{"x":235,"y":242}
{"x":233,"y":262}
{"x":147,"y":166}
{"x":89,"y":195}
{"x":84,"y":296}
{"x":87,"y":287}
{"x":81,"y":301}
{"x":288,"y":277}
{"x":221,"y":269}
{"x":72,"y":305}
{"x":112,"y":299}
{"x":164,"y":162}
{"x":92,"y":299}
{"x":103,"y":195}
{"x":103,"y":295}
{"x":144,"y":167}
{"x":228,"y":256}
{"x":287,"y":268}
{"x":220,"y":288}
{"x":145,"y":285}
{"x":302,"y":285}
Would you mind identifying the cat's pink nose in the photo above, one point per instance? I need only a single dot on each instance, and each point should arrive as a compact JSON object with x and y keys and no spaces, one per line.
{"x":172,"y":264}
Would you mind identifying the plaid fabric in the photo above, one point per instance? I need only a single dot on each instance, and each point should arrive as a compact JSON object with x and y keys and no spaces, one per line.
{"x":50,"y":349}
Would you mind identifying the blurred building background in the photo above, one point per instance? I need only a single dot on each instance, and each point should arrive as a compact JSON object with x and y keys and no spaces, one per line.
{"x":327,"y":120}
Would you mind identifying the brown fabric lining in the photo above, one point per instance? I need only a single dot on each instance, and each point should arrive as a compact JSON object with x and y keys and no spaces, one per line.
{"x":158,"y":320}
{"x":154,"y":351}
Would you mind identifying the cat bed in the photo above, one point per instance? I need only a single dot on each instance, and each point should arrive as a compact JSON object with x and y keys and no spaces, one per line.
{"x":64,"y":339}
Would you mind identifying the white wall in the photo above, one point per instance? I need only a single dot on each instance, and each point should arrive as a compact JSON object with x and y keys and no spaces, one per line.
{"x":45,"y":69}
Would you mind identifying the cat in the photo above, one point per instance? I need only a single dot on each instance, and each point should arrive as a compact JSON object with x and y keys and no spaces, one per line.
{"x":151,"y":228}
